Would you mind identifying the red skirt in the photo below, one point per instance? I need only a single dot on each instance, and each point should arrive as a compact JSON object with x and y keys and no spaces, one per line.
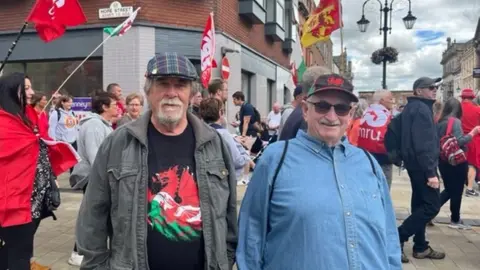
{"x":473,"y":152}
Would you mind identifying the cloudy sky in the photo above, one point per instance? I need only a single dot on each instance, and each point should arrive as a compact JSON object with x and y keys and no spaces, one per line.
{"x":420,"y":49}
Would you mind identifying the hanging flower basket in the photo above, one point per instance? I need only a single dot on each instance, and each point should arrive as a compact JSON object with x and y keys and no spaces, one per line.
{"x":390,"y":54}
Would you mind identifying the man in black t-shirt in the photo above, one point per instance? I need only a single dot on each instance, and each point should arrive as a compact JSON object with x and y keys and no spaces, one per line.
{"x":174,"y":216}
{"x":166,"y":180}
{"x":247,"y":115}
{"x":248,"y":118}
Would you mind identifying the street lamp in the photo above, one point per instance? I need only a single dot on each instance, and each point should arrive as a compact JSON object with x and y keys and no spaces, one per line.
{"x":386,"y":8}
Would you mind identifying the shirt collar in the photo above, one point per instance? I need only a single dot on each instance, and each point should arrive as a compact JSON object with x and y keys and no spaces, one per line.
{"x":318,"y":146}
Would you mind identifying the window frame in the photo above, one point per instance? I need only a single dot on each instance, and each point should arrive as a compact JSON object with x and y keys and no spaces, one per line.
{"x":261,"y":3}
{"x":272,"y":7}
{"x":271,"y":93}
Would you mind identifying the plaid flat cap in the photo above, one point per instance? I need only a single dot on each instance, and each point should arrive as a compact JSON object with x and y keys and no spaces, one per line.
{"x":171,"y":65}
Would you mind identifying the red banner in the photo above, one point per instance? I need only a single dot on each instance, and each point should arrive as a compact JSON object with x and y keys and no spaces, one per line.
{"x":207,"y":51}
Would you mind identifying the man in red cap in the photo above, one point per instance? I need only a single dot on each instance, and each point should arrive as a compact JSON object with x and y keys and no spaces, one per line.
{"x":471,"y":119}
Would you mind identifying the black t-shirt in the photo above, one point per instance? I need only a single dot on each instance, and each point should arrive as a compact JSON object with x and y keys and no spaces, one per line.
{"x":247,"y":110}
{"x":175,"y":238}
{"x":293,"y":124}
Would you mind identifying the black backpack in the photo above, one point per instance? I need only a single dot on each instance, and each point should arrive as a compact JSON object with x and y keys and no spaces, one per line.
{"x":393,"y":140}
{"x":59,"y":115}
{"x":258,"y":117}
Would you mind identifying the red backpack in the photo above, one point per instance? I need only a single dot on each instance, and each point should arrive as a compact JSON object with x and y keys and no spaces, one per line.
{"x":449,"y":149}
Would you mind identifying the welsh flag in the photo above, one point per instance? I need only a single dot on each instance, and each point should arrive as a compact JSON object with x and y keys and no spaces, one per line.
{"x":301,"y":69}
{"x":123,"y":27}
{"x":297,"y":66}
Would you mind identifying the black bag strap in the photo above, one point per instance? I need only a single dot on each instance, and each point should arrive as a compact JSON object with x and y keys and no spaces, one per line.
{"x":58,"y":114}
{"x":279,"y":166}
{"x":371,"y":162}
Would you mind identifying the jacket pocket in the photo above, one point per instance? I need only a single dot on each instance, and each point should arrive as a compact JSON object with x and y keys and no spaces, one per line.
{"x":217,"y":175}
{"x":122,"y":186}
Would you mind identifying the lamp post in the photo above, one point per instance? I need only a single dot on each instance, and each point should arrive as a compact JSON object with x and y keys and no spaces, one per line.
{"x":386,"y":8}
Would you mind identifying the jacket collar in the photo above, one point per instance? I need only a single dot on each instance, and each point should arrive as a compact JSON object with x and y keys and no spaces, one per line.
{"x":319,"y":146}
{"x":203,"y":133}
{"x":426,"y":101}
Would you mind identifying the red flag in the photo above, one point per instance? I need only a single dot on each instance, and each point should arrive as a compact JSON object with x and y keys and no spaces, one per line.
{"x":293,"y":71}
{"x":62,"y":156}
{"x":19,"y":149}
{"x":207,"y":51}
{"x":52,"y":17}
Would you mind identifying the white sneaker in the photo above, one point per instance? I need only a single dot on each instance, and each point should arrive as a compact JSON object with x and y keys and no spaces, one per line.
{"x":75,"y":259}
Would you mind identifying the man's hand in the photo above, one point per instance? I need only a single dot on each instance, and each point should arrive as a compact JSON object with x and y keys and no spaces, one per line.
{"x":235,"y":124}
{"x":433,"y":182}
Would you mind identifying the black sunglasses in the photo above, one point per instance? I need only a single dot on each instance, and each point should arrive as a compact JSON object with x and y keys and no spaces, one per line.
{"x":432,"y":87}
{"x":323,"y":107}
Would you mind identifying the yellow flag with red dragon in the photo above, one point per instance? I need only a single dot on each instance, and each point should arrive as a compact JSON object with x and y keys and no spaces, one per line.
{"x":321,"y":23}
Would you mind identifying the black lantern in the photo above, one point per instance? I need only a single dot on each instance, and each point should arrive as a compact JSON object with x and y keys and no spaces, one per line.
{"x":409,"y":20}
{"x":363,"y":24}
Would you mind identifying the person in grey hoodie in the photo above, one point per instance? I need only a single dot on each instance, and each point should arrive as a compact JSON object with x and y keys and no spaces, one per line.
{"x":62,"y":123}
{"x":94,"y":128}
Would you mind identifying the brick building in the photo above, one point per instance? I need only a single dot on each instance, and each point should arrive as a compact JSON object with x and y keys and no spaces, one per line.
{"x":400,"y":96}
{"x":260,"y":30}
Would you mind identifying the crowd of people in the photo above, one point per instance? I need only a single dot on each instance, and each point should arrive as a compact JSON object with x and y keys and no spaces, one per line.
{"x":159,"y":185}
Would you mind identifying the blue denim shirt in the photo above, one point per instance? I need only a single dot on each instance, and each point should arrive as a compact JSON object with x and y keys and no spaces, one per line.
{"x":328,"y":211}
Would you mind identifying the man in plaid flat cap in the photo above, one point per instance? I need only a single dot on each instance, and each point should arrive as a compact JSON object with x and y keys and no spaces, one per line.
{"x":164,"y":189}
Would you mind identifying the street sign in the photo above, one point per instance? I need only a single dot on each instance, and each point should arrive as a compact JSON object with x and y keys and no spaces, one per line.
{"x":225,"y":68}
{"x":476,"y":73}
{"x":115,"y":11}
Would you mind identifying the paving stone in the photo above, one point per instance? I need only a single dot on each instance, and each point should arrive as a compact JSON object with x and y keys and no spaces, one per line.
{"x":55,"y":239}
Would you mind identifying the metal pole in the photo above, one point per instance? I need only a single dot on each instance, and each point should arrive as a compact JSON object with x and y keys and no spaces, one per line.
{"x":78,"y":67}
{"x":13,"y":46}
{"x":385,"y":30}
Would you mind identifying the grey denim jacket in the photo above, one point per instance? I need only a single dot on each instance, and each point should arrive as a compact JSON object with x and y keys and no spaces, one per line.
{"x":114,"y":207}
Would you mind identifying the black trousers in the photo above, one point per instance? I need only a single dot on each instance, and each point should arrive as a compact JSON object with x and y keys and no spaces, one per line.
{"x":74,"y":145}
{"x":454,"y":178}
{"x":18,"y":248}
{"x":425,"y":206}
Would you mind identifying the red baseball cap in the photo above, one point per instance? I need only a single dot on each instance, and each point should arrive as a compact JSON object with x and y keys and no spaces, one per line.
{"x":333,"y":82}
{"x":467,"y":93}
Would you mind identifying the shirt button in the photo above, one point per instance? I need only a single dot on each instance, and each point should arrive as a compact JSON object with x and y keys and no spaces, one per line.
{"x":352,"y":245}
{"x":374,"y":196}
{"x":348,"y":213}
{"x":341,"y":186}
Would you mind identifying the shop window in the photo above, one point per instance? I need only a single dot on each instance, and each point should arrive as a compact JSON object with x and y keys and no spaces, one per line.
{"x":287,"y":97}
{"x":12,"y":68}
{"x":247,"y":85}
{"x":48,"y":76}
{"x":271,"y":94}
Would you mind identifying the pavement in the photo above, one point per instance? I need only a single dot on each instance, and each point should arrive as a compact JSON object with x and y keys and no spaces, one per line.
{"x":55,"y":239}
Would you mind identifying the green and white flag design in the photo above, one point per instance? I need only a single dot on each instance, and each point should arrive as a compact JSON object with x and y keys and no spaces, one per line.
{"x":123,"y":27}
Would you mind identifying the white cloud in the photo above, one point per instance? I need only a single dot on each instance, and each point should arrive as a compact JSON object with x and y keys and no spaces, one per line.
{"x":420,"y":49}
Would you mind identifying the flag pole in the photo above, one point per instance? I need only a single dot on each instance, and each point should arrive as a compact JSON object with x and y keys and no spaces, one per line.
{"x":88,"y":56}
{"x":77,"y":68}
{"x":341,"y":36}
{"x":14,"y":44}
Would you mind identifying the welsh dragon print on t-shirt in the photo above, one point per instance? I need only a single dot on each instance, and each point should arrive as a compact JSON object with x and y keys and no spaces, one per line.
{"x":174,"y":204}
